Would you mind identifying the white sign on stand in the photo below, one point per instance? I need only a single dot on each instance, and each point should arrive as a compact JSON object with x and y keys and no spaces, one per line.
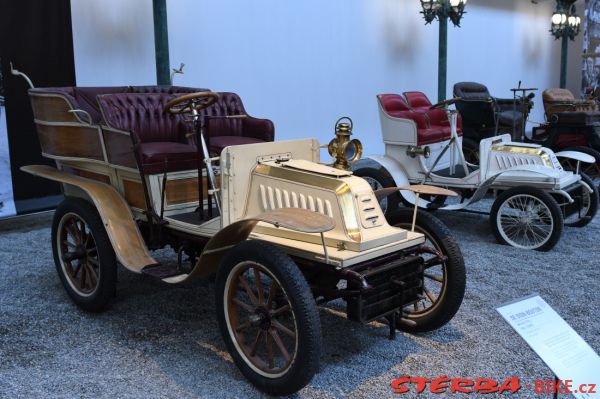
{"x":568,"y":356}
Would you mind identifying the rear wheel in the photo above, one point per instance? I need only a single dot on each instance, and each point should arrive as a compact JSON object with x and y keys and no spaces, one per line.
{"x":470,"y":150}
{"x":590,"y":169}
{"x":528,"y":218}
{"x":268,"y":318}
{"x":583,"y":210}
{"x":83,"y":255}
{"x":443,"y":281}
{"x":378,"y":179}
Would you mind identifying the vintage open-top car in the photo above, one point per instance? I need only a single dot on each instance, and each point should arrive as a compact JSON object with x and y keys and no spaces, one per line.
{"x":535,"y":195}
{"x":282,"y":231}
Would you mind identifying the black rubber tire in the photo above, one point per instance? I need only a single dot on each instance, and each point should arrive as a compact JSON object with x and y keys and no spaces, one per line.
{"x":546,"y":198}
{"x":106,"y":289}
{"x":589,"y":151}
{"x":470,"y":150}
{"x":452,"y":296}
{"x":303,"y":305}
{"x":589,"y":216}
{"x":385,"y":180}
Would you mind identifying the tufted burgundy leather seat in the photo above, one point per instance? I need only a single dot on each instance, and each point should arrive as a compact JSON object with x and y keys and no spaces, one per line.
{"x":163,"y":145}
{"x":221,"y":132}
{"x":432,"y":124}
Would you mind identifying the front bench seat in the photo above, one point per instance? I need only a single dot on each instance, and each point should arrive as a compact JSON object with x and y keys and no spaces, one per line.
{"x":162,"y":135}
{"x":222,"y":132}
{"x":431,"y":127}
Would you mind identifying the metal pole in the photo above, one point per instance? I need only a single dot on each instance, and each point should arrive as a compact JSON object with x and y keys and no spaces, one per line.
{"x":442,"y":58}
{"x":563,"y":61}
{"x":161,"y":42}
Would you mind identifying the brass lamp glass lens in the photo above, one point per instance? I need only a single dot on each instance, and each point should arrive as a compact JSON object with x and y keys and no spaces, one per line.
{"x":353,"y":150}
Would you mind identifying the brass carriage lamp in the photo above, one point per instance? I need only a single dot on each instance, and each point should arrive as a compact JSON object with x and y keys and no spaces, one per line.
{"x":565,"y":25}
{"x":341,"y":148}
{"x":443,"y":10}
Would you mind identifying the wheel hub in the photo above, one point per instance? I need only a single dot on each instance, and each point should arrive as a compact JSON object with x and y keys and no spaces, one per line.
{"x":260,"y":318}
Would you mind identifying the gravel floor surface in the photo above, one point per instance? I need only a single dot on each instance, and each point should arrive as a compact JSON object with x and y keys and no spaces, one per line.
{"x":161,"y":341}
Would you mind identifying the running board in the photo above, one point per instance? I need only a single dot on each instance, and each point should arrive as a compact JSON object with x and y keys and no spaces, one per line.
{"x":167,"y":273}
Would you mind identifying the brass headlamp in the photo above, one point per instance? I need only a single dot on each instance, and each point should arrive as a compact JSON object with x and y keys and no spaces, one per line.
{"x":344,"y":150}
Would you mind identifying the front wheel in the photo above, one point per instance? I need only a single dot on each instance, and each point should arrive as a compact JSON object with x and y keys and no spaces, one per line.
{"x":528,"y":218}
{"x":443,"y":282}
{"x":268,"y":318}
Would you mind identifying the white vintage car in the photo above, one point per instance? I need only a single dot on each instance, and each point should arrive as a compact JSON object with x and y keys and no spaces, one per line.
{"x":535,"y":196}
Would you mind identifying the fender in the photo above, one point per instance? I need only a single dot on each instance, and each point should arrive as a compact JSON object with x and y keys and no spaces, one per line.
{"x":576,"y":155}
{"x":115,"y":213}
{"x":296,"y":219}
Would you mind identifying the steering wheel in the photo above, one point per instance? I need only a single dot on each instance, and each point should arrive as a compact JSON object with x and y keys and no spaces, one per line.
{"x":188,"y":102}
{"x":444,"y":104}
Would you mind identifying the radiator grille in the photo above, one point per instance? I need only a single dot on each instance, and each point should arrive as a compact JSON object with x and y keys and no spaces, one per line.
{"x":506,"y":161}
{"x":275,"y":198}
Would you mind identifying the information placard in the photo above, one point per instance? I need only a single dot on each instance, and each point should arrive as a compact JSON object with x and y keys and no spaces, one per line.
{"x":568,"y":356}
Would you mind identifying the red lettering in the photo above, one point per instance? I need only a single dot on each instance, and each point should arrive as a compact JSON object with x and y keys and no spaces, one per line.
{"x":555,"y":387}
{"x":568,"y":384}
{"x":461,"y":385}
{"x":485,"y":386}
{"x":539,"y":386}
{"x":421,"y":383}
{"x":511,"y":384}
{"x":592,"y":388}
{"x":439,"y":385}
{"x":398,"y":384}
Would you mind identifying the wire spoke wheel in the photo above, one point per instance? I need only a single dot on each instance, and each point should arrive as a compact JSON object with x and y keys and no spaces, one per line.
{"x":527,"y":218}
{"x":376,"y":185}
{"x":379,"y":178}
{"x":78,"y":254}
{"x":526,"y":221}
{"x":261,"y":319}
{"x":590,"y":169}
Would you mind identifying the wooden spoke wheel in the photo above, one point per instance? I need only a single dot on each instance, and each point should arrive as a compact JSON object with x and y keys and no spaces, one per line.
{"x":443,"y":279}
{"x":268,"y":317}
{"x":261,"y":319}
{"x":78,"y":254}
{"x":84,"y":258}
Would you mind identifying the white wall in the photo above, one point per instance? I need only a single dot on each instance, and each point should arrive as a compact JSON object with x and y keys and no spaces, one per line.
{"x":304,"y":64}
{"x":113,"y":42}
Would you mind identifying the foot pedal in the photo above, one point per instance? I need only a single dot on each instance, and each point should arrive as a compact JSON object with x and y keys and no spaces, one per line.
{"x":161,"y":271}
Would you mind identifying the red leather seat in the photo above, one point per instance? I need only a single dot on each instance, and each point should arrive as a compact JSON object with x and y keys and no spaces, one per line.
{"x":432,"y":124}
{"x":163,"y":145}
{"x":162,"y":136}
{"x":223,"y":132}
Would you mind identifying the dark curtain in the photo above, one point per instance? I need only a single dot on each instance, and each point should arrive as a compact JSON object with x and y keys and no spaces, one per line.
{"x":36,"y":36}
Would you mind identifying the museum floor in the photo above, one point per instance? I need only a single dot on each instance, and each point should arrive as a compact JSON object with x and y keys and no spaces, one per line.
{"x":163,"y":341}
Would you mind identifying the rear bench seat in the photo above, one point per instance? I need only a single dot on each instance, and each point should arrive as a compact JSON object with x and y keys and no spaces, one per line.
{"x":162,"y":135}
